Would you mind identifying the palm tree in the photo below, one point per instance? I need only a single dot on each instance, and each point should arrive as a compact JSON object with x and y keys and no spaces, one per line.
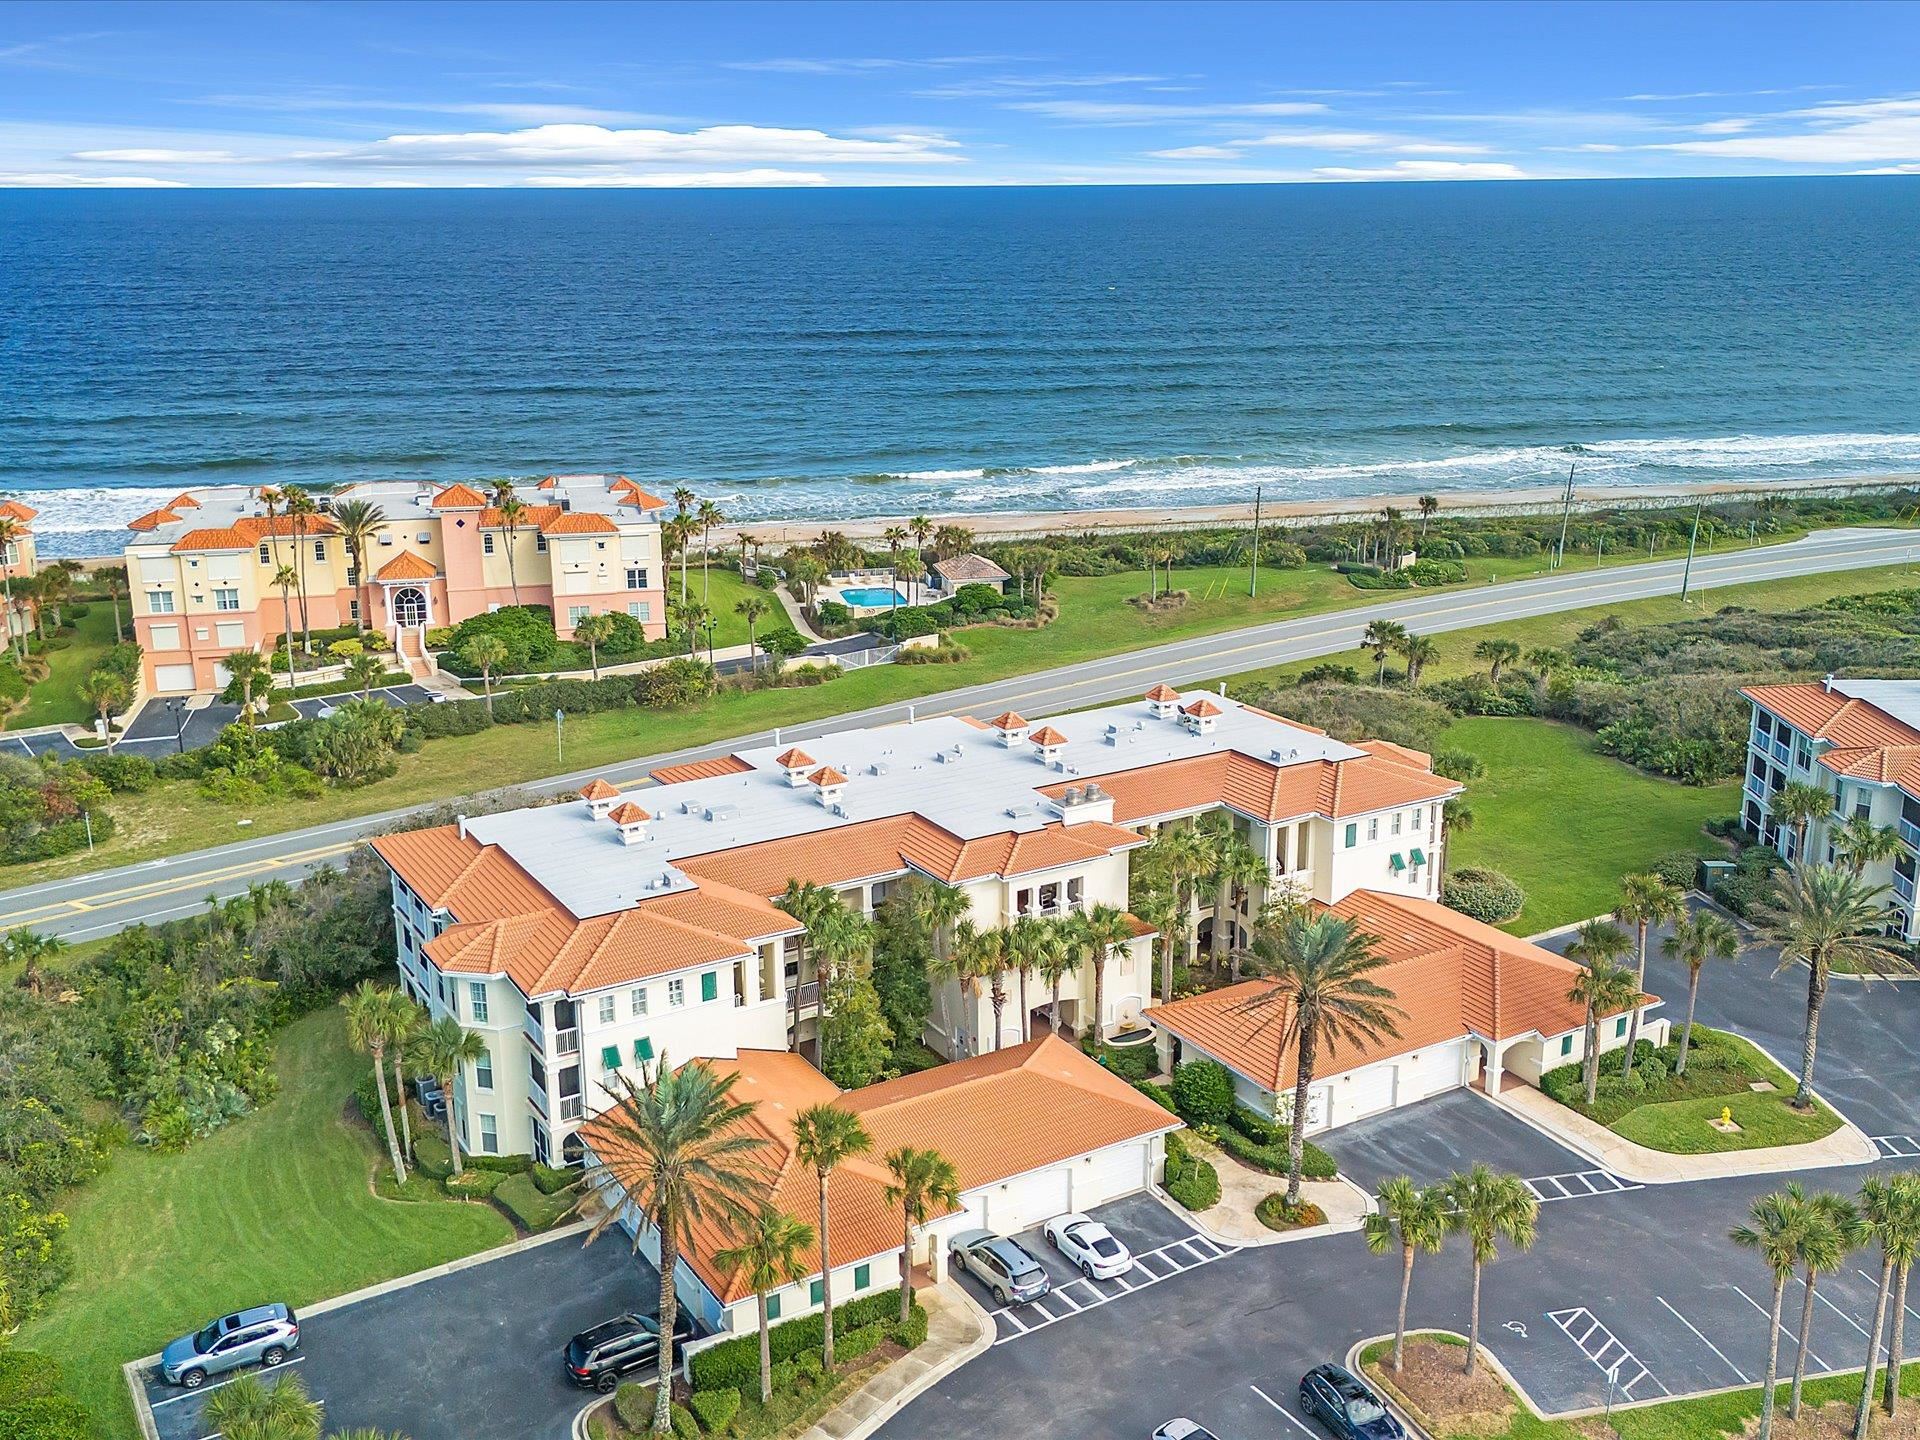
{"x":250,"y":1409}
{"x":809,"y":905}
{"x":1419,"y":651}
{"x":920,"y":527}
{"x":1890,"y":1213}
{"x":284,"y":579}
{"x":443,"y":1048}
{"x":1602,"y":987}
{"x":751,"y":608}
{"x":1775,"y":1227}
{"x":772,"y":1251}
{"x":694,"y":616}
{"x":1826,"y":916}
{"x":971,"y":956}
{"x":366,"y":671}
{"x":677,"y":1148}
{"x":1429,"y":507}
{"x":271,"y":501}
{"x":1834,"y":1231}
{"x":113,"y":580}
{"x":683,"y":499}
{"x":105,"y":691}
{"x":1696,"y":939}
{"x":300,"y":510}
{"x":594,"y":631}
{"x":484,"y":652}
{"x":1456,"y":817}
{"x":56,"y":585}
{"x":367,"y":1030}
{"x":1860,"y":843}
{"x":1161,"y":909}
{"x":247,"y":668}
{"x":922,"y":1180}
{"x":985,"y":958}
{"x":1182,"y":856}
{"x":1498,"y":654}
{"x":401,"y":1020}
{"x":513,"y":514}
{"x":1489,"y":1207}
{"x":1383,"y":638}
{"x":1058,"y":953}
{"x":1797,"y":805}
{"x":677,"y":534}
{"x":707,"y":516}
{"x":1319,"y":964}
{"x":1107,"y":929}
{"x":1896,"y":1346}
{"x":1236,"y":866}
{"x":912,"y":569}
{"x":359,"y":522}
{"x":1415,"y":1220}
{"x":1645,"y":901}
{"x":823,"y":1136}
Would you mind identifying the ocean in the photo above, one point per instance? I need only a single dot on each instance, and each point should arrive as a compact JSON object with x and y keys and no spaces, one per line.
{"x":844,"y":353}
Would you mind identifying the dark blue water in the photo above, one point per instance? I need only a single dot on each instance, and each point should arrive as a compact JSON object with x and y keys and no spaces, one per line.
{"x":860,"y":352}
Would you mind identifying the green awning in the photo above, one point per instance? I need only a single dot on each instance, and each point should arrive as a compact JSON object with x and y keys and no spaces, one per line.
{"x":610,"y":1056}
{"x":1396,"y":863}
{"x":643,"y":1049}
{"x":1419,"y":857}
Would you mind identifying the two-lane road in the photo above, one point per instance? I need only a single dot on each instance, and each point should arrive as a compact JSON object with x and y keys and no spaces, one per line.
{"x":86,"y":906}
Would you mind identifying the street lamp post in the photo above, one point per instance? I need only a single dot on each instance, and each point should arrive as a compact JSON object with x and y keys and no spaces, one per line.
{"x":178,"y":709}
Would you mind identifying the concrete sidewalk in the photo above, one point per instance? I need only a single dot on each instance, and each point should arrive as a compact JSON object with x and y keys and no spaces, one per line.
{"x":1232,"y":1221}
{"x":1848,"y":1145}
{"x":957,"y":1331}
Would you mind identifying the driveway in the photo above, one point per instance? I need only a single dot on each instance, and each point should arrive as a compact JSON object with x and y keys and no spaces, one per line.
{"x":471,"y":1355}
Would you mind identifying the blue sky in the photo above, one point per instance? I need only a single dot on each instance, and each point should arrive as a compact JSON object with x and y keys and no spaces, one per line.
{"x":878,"y":94}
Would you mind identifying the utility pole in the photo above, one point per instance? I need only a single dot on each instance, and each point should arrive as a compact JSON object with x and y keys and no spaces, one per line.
{"x":1253,"y":570}
{"x":1686,"y":575}
{"x":559,"y":737}
{"x":1566,"y":514}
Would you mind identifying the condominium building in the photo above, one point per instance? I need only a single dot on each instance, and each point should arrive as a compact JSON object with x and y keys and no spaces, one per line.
{"x":19,"y":559}
{"x":1859,"y":740}
{"x":601,"y":934}
{"x":202,"y":568}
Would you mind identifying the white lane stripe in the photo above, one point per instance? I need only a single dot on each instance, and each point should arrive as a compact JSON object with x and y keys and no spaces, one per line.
{"x":1281,"y":1408}
{"x":1874,"y":1280}
{"x":286,"y":1364}
{"x":1820,"y":1295}
{"x":1075,"y":1307}
{"x":1745,"y":1378}
{"x":1792,"y":1339}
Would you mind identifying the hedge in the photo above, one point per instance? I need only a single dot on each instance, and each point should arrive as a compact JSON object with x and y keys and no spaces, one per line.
{"x":1129,"y":1062}
{"x":715,"y":1409}
{"x":26,"y":1374}
{"x":633,"y":1403}
{"x":534,"y":1208}
{"x":430,"y":1153}
{"x":551,"y":1180}
{"x":504,"y":1164}
{"x":735,"y":1363}
{"x":46,"y":1417}
{"x":911,"y":1332}
{"x":1485,"y":895}
{"x":472,"y":1184}
{"x":1203,"y":1092}
{"x":1191,"y":1181}
{"x":1156,"y":1092}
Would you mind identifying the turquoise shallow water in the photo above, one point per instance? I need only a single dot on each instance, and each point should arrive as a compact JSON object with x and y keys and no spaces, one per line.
{"x":852,"y":353}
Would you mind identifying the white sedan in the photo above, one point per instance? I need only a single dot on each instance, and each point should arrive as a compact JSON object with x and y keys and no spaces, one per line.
{"x":1183,"y":1429}
{"x":1089,"y":1245}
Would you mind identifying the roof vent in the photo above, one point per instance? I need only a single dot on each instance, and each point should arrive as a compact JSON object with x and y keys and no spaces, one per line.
{"x":1292,"y":752}
{"x":1827,"y":684}
{"x":1071,"y":796}
{"x":879,"y":767}
{"x":1094,"y":792}
{"x":723,"y":812}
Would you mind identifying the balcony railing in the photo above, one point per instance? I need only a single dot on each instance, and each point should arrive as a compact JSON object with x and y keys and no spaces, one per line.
{"x":567,"y":1042}
{"x":572,"y":1107}
{"x":1757,"y":794}
{"x":808,"y":998}
{"x":1910,"y":832}
{"x":539,"y":1098}
{"x":1903,"y":888}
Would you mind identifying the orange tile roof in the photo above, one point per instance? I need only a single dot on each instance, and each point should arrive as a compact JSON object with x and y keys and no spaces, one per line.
{"x":580,"y":522}
{"x":224,"y":537}
{"x":643,"y":499}
{"x":1008,"y":720}
{"x":458,"y":497}
{"x":1334,"y":788}
{"x":701,"y":769}
{"x":152,"y":520}
{"x":599,"y":790}
{"x":183,"y":501}
{"x":1047,"y":735}
{"x":793,"y":759}
{"x":1828,"y":715}
{"x":1451,"y":975}
{"x":532,"y":517}
{"x":407,"y":565}
{"x":552,"y":482}
{"x":1200,"y":708}
{"x":628,"y":813}
{"x":14,"y":510}
{"x":1163,"y":692}
{"x":993,"y":1117}
{"x":257,"y":527}
{"x":827,"y":775}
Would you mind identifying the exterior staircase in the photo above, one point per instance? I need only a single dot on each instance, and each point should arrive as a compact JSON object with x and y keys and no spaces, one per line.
{"x":413,"y":652}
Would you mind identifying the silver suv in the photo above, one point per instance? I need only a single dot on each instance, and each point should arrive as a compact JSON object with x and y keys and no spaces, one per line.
{"x":261,"y":1335}
{"x":1013,"y":1275}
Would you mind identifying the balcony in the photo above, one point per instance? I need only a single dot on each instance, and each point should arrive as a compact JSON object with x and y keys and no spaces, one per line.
{"x":807,"y":999}
{"x":1910,"y":832}
{"x":572,"y":1107}
{"x":567,"y":1042}
{"x":1779,"y":750}
{"x":539,"y":1098}
{"x":1903,"y":889}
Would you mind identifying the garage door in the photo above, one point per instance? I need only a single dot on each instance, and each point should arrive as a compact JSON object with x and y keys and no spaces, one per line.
{"x":173,"y":679}
{"x":1365,"y":1093}
{"x":1113,"y":1173}
{"x":1023,"y":1203}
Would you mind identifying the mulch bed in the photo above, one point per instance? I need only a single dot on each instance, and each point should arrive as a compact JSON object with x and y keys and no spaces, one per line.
{"x":1434,"y":1380}
{"x":1834,"y":1421}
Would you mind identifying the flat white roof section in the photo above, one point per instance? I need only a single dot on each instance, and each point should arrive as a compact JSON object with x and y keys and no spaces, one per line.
{"x":1898,"y":698}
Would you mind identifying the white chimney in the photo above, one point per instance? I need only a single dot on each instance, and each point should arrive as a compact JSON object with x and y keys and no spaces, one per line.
{"x":795,"y":764}
{"x":1010,"y":727}
{"x":1163,"y":700}
{"x":829,"y":785}
{"x":1050,"y":743}
{"x":631,"y":823}
{"x":1200,"y":716}
{"x":601,"y":797}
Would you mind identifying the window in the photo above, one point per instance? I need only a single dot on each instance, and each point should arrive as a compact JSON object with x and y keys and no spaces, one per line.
{"x":353,"y":606}
{"x":576,"y":613}
{"x":1619,"y":1027}
{"x":862,"y":1277}
{"x":637,"y":999}
{"x":636,"y":577}
{"x":1566,"y":1044}
{"x":773,"y":1306}
{"x":641,"y":610}
{"x":353,"y":575}
{"x":609,"y":1057}
{"x":537,"y":1072}
{"x":606,"y":1009}
{"x":489,"y":1135}
{"x":319,"y":549}
{"x":1076,"y":890}
{"x":540,"y":542}
{"x":676,"y":994}
{"x":1373,"y":828}
{"x":1353,"y":836}
{"x":483,"y":1072}
{"x":486,"y":542}
{"x":477,"y":999}
{"x":1396,"y":822}
{"x":266,"y":553}
{"x":225,"y":599}
{"x":813,"y":1293}
{"x":710,"y":985}
{"x":160,"y":602}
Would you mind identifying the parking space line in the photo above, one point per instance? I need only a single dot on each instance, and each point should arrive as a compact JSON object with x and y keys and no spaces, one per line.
{"x":1281,"y":1408}
{"x":1792,"y":1339}
{"x":219,"y":1384}
{"x":1897,"y":1147}
{"x":1614,"y":1369}
{"x":1821,"y":1297}
{"x":1744,"y":1377}
{"x":1577,"y":1185}
{"x":1174,"y":1264}
{"x":1875,"y":1281}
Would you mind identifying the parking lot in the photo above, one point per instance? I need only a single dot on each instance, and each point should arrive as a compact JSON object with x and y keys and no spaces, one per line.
{"x":470,"y":1354}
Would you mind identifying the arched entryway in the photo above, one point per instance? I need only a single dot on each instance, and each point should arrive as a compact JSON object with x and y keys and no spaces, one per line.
{"x":410,"y":606}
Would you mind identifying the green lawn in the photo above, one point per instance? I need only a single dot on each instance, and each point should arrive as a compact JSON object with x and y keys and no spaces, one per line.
{"x":274,"y":1207}
{"x":1680,"y":1127}
{"x":720,"y":590}
{"x":56,"y":699}
{"x":1567,"y":821}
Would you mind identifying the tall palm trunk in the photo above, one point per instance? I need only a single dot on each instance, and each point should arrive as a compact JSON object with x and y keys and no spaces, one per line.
{"x":386,"y":1113}
{"x":300,"y":564}
{"x":1166,"y":968}
{"x":1222,"y":908}
{"x":1473,"y":1321}
{"x":1816,"y":997}
{"x":1773,"y":1358}
{"x":826,"y":1284}
{"x":1099,"y":990}
{"x":400,"y":1094}
{"x":1804,"y":1339}
{"x":1891,"y":1391}
{"x":1640,"y":982}
{"x":1593,"y":1054}
{"x":1686,"y":1031}
{"x":997,"y":994}
{"x":799,"y":979}
{"x":513,"y":570}
{"x":286,"y":615}
{"x":766,"y":1353}
{"x":1406,"y":1289}
{"x":1864,"y":1409}
{"x":906,"y":1262}
{"x":668,"y":1224}
{"x":453,"y":1135}
{"x":1297,"y":1131}
{"x":1053,"y":1014}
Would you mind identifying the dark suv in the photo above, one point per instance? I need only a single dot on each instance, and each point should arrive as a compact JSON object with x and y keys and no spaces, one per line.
{"x":1347,"y":1405}
{"x":596,"y":1359}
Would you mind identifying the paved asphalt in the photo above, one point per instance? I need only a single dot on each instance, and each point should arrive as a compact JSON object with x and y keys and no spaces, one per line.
{"x":96,"y":904}
{"x":1637,"y":1280}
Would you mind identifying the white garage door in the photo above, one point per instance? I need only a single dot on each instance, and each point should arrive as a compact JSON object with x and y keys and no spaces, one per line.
{"x":173,"y":679}
{"x":1121,"y":1170}
{"x":222,"y":676}
{"x":1366,"y":1092}
{"x":1025,"y":1202}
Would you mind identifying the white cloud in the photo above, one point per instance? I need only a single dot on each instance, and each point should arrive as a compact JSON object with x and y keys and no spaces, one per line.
{"x":1199,"y":152}
{"x":139,"y":156}
{"x":995,"y":87}
{"x":48,"y":181}
{"x":1364,"y":140}
{"x":548,"y":145}
{"x":1117,"y":112}
{"x":1849,"y":132}
{"x":1912,"y":168}
{"x":1426,"y":170}
{"x":804,"y":65}
{"x":683,"y":179}
{"x":513,"y":112}
{"x":1725,"y":127}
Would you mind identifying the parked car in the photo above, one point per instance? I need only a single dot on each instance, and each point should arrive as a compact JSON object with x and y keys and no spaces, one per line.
{"x":1347,"y":1405}
{"x":1089,"y":1245}
{"x":596,"y":1359}
{"x":1013,"y":1275}
{"x":264,"y":1334}
{"x":1183,"y":1429}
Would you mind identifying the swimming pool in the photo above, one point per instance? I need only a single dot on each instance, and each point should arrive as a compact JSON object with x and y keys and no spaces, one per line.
{"x":873,"y":595}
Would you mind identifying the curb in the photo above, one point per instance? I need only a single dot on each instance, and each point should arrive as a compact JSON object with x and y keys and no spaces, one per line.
{"x":984,"y":1331}
{"x":1277,"y":1237}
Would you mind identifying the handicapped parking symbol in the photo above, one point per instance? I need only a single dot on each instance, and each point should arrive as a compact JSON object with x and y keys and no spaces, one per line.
{"x":1517,"y":1328}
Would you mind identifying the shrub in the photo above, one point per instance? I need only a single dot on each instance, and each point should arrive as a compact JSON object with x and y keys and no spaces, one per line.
{"x":1678,"y":868}
{"x":735,"y":1364}
{"x":123,"y":774}
{"x":503,"y":1164}
{"x":1155,"y":1092}
{"x":715,"y":1409}
{"x":912,"y":1332}
{"x":551,"y":1181}
{"x":1262,"y":1143}
{"x":473,"y":1184}
{"x":1187,"y":1178}
{"x":46,"y":1417}
{"x":1484,"y":894}
{"x":634,"y":1405}
{"x":1436,"y":572}
{"x":25,"y":1375}
{"x":673,"y":685}
{"x":430,"y":1153}
{"x":533,"y":1208}
{"x":525,"y":630}
{"x":1203,"y":1092}
{"x":1273,"y":1213}
{"x":1350,"y":712}
{"x":1129,"y":1062}
{"x":863,"y":1341}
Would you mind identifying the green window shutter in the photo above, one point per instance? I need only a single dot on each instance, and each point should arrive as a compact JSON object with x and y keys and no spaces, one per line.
{"x":862,"y":1276}
{"x":773,"y":1306}
{"x":1419,"y":858}
{"x":643,"y":1050}
{"x":813,"y":1293}
{"x":710,"y":985}
{"x":1396,"y":864}
{"x":1566,"y":1044}
{"x":1353,"y":835}
{"x":1620,"y":1026}
{"x":610,"y":1056}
